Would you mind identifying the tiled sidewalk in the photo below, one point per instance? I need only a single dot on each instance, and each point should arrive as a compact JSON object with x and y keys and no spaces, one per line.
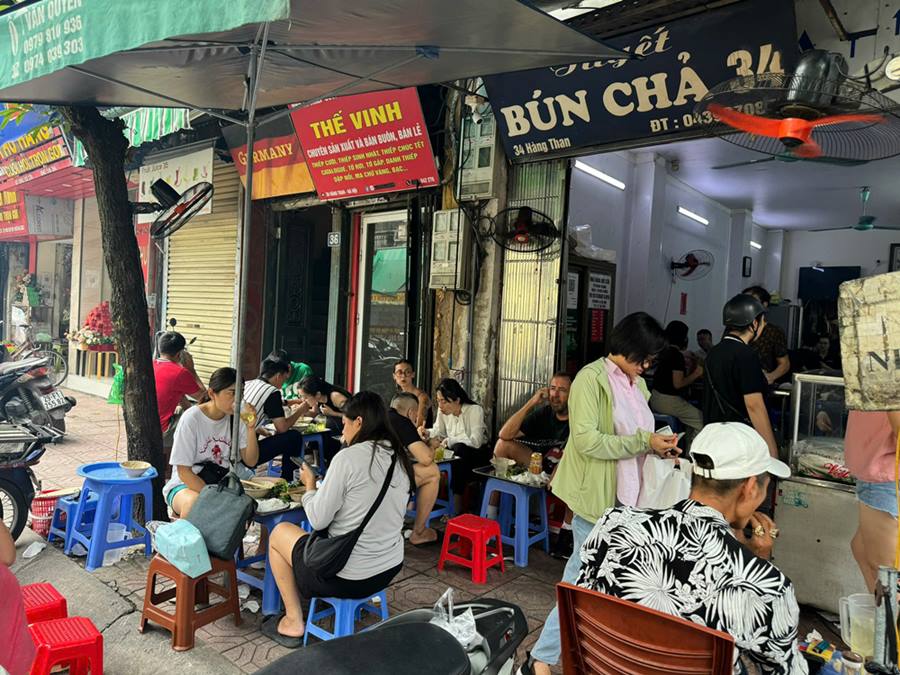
{"x":93,"y":428}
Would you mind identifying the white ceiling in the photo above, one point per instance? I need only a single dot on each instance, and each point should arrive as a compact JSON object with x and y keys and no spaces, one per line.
{"x":783,"y":195}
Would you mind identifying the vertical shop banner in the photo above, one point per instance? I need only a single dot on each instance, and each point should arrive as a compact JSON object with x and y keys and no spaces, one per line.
{"x":13,"y":223}
{"x":366,"y":144}
{"x":278,"y":166}
{"x":553,"y":111}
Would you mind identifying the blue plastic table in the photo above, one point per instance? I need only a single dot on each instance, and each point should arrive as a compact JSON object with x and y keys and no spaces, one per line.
{"x":109,"y":482}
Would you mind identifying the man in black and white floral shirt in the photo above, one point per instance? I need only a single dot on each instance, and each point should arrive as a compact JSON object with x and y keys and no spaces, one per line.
{"x":694,"y":560}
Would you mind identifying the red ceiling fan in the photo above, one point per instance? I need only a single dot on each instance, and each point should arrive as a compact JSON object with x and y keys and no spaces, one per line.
{"x":817,"y":113}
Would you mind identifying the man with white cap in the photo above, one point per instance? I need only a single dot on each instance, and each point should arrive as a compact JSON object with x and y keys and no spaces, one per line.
{"x":695,"y":561}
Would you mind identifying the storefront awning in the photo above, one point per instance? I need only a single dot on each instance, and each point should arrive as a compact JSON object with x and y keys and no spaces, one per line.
{"x":114,"y":53}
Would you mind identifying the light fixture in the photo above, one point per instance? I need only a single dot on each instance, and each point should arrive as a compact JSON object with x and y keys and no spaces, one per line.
{"x":756,"y":245}
{"x":596,"y":173}
{"x":817,"y":266}
{"x":693,"y":216}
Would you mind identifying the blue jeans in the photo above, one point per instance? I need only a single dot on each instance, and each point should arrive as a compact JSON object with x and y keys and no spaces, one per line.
{"x":548,"y":646}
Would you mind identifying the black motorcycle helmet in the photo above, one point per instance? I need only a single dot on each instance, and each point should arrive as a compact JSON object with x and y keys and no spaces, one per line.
{"x":741,"y":311}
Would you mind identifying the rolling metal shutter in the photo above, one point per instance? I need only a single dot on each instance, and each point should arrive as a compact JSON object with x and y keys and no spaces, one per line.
{"x":530,"y":296}
{"x":200,"y":276}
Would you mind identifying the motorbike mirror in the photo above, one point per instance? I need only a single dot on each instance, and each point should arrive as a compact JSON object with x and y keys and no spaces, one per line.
{"x":193,"y":340}
{"x":173,"y":322}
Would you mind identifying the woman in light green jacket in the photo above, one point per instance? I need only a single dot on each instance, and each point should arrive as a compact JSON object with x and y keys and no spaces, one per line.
{"x":607,"y":395}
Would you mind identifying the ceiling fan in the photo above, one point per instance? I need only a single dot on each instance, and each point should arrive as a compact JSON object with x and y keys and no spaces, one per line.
{"x":817,"y":113}
{"x":865,"y":222}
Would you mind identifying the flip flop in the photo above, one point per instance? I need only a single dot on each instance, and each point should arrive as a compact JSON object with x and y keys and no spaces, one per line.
{"x":269,"y":628}
{"x":425,"y":544}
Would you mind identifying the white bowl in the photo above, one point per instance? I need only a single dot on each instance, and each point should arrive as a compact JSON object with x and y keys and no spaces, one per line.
{"x":134,"y":469}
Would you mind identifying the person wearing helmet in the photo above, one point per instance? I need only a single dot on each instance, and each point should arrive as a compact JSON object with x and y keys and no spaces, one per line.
{"x":735,"y":383}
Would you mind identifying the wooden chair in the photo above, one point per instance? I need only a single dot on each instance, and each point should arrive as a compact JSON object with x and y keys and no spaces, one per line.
{"x":604,"y":635}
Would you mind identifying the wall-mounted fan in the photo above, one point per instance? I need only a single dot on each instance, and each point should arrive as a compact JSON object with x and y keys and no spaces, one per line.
{"x":865,"y":222}
{"x":525,"y":230}
{"x":176,"y":208}
{"x":818,"y":113}
{"x":692,"y":265}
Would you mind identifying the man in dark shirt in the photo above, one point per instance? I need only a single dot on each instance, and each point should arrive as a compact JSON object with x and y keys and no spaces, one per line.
{"x":403,"y":414}
{"x":771,"y":345}
{"x":538,"y":428}
{"x":735,"y":384}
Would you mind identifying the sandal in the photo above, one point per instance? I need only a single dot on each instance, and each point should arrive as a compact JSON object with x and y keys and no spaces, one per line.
{"x":269,"y":628}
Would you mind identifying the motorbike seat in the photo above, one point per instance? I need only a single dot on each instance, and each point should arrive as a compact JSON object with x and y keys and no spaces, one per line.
{"x":23,"y":365}
{"x":403,"y":649}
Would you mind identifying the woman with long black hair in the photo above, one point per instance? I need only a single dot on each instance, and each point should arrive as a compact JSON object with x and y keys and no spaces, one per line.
{"x":459,"y":427}
{"x":329,"y":400}
{"x":347,"y":493}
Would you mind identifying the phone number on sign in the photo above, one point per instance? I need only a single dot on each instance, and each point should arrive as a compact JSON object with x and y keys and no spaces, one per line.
{"x":697,"y":119}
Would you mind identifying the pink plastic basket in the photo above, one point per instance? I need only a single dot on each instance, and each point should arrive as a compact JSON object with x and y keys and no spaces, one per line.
{"x":42,"y":509}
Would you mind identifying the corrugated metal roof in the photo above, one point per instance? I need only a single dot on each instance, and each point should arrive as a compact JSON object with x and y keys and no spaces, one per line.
{"x":632,"y":15}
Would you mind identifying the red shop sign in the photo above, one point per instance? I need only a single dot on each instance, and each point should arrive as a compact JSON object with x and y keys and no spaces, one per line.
{"x":367,"y":144}
{"x":13,"y":223}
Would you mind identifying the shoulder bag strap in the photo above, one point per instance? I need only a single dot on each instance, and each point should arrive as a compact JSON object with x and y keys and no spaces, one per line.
{"x":380,"y":497}
{"x":722,"y":405}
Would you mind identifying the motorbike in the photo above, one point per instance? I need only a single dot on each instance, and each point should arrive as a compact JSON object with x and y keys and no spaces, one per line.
{"x":408,"y":643}
{"x":21,"y":447}
{"x":27,"y":394}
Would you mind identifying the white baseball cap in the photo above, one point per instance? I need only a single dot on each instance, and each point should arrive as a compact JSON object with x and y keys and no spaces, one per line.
{"x":736,"y":451}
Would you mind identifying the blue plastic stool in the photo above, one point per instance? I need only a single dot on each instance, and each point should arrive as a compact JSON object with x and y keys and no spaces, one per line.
{"x":64,"y":520}
{"x":273,"y":468}
{"x":346,"y":613}
{"x":673,"y":422}
{"x":525,"y":535}
{"x":319,"y":438}
{"x":271,"y":596}
{"x":442,"y":507}
{"x":109,"y":482}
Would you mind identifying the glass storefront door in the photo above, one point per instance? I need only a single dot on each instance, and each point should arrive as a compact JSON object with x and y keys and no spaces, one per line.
{"x":382,"y":307}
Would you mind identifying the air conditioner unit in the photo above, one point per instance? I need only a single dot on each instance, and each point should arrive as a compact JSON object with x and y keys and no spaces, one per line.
{"x":477,"y":156}
{"x":451,"y":242}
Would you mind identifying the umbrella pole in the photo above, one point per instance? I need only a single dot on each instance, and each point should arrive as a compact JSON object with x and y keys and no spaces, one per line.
{"x":256,"y":59}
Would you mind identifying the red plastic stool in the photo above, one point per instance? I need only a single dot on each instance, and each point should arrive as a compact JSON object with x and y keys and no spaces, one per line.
{"x":74,"y":641}
{"x":473,"y":534}
{"x":43,"y":603}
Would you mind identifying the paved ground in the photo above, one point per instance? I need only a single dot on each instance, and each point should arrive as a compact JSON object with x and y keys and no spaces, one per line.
{"x":92,"y":432}
{"x":113,"y":596}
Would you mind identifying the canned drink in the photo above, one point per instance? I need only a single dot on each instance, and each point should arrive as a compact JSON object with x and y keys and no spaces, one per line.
{"x":536,"y":462}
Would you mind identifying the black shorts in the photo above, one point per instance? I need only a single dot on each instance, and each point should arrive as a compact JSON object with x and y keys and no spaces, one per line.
{"x":311,"y":586}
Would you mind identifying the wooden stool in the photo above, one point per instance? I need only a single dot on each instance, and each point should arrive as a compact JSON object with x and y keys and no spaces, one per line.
{"x":188,"y":593}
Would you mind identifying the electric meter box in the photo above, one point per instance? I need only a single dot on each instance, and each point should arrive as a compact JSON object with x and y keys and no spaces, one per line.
{"x":477,"y":159}
{"x":451,"y":241}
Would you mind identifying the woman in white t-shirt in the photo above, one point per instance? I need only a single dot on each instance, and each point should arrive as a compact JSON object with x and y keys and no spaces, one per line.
{"x":202,"y":444}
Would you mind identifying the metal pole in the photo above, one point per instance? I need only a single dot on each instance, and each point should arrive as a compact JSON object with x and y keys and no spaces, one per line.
{"x":256,"y":61}
{"x":885,"y":592}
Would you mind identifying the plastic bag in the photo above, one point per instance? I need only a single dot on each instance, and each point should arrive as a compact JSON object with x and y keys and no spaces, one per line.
{"x":462,"y":627}
{"x":118,"y":386}
{"x":585,"y":246}
{"x":664,"y":482}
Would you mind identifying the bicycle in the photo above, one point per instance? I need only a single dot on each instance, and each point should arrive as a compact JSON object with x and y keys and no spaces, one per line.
{"x":40,"y":348}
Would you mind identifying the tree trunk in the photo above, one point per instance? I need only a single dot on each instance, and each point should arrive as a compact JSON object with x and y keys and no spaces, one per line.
{"x":106,"y":146}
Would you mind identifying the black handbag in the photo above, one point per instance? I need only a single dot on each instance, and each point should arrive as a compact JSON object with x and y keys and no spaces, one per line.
{"x":323,"y":556}
{"x":211,"y":473}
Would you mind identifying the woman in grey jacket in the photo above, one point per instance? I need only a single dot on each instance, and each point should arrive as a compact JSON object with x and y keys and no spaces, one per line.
{"x":347,"y":493}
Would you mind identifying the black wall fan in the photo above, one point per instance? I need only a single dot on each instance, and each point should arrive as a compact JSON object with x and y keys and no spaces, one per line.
{"x":866,"y":223}
{"x":817,"y":113}
{"x":176,"y":208}
{"x":692,"y":265}
{"x":525,"y":230}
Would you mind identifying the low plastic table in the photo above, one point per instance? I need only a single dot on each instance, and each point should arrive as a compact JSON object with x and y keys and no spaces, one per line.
{"x":109,"y":482}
